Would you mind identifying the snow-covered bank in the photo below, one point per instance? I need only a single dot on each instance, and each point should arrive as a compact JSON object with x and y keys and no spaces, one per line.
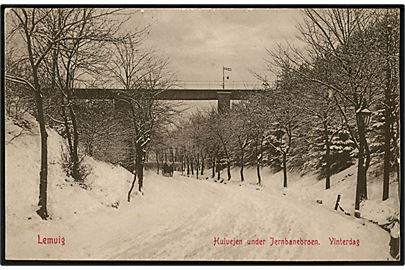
{"x":68,"y":202}
{"x":178,"y":218}
{"x":309,"y":188}
{"x":105,"y":184}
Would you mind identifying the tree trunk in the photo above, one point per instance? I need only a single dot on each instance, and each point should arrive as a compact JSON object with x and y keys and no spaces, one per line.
{"x":90,"y":148}
{"x":43,"y":175}
{"x":213,"y":166}
{"x":75,"y":156}
{"x":388,"y":122}
{"x":67,"y":128}
{"x":259,"y":178}
{"x":242,"y":178}
{"x":157,"y":162}
{"x":202,"y":164}
{"x":140,"y":156}
{"x":361,"y":188}
{"x":73,"y":139}
{"x":397,"y":161}
{"x":188,"y":166}
{"x":198,"y":164}
{"x":134,"y":169}
{"x":172,"y":154}
{"x":285,"y":169}
{"x":228,"y":160}
{"x":258,"y":159}
{"x":327,"y":156}
{"x":192,"y":166}
{"x":182,"y":164}
{"x":228,"y":170}
{"x":132,"y":186}
{"x":367,"y":155}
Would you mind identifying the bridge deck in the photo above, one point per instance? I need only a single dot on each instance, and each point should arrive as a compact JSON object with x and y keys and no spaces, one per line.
{"x":172,"y":94}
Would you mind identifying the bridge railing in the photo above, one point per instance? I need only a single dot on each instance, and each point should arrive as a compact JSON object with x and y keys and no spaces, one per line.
{"x":216,"y":85}
{"x":198,"y":85}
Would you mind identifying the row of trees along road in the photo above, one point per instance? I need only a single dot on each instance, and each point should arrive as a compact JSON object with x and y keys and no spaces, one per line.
{"x":50,"y":51}
{"x":315,"y":115}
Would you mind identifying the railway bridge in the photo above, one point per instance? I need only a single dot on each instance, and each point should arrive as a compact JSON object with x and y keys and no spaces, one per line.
{"x":183,"y":90}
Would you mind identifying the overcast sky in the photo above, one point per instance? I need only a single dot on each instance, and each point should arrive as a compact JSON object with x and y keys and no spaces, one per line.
{"x":200,"y":42}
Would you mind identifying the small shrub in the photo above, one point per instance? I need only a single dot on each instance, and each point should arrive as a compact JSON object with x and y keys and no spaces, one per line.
{"x":84,"y":170}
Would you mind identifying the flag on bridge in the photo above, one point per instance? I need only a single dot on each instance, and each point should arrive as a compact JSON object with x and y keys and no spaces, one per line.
{"x":227,"y":68}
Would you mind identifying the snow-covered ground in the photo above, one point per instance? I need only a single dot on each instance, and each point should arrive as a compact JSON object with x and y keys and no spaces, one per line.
{"x":177,"y":218}
{"x":309,"y":188}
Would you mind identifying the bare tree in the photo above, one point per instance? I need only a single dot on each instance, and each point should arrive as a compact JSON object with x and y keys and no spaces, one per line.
{"x":278,"y":103}
{"x":144,"y":76}
{"x":83,"y":52}
{"x":240,"y":126}
{"x":221,"y":129}
{"x":259,"y":127}
{"x":39,"y":30}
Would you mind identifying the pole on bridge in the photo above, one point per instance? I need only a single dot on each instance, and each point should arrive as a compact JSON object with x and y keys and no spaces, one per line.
{"x":223,"y":78}
{"x":224,"y":98}
{"x":223,"y":75}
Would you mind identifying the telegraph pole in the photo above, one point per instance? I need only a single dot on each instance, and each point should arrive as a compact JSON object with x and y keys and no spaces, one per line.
{"x":223,"y":75}
{"x":223,"y":78}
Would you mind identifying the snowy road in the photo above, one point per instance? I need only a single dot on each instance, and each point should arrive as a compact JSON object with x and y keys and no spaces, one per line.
{"x":178,"y":219}
{"x":185,"y":215}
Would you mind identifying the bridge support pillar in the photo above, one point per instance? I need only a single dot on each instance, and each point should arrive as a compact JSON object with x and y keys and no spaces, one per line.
{"x":224,"y":101}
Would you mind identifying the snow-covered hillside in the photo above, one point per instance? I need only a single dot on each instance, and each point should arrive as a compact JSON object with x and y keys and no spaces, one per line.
{"x":177,"y":218}
{"x":309,"y":188}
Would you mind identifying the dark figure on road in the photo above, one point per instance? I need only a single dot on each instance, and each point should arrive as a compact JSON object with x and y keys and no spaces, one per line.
{"x":167,"y":170}
{"x":171,"y":170}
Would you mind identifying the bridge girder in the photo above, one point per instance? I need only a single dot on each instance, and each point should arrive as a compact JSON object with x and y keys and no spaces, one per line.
{"x":223,"y":97}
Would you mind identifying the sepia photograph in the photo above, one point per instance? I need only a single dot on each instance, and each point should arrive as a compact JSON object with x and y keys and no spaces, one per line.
{"x":184,"y":134}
